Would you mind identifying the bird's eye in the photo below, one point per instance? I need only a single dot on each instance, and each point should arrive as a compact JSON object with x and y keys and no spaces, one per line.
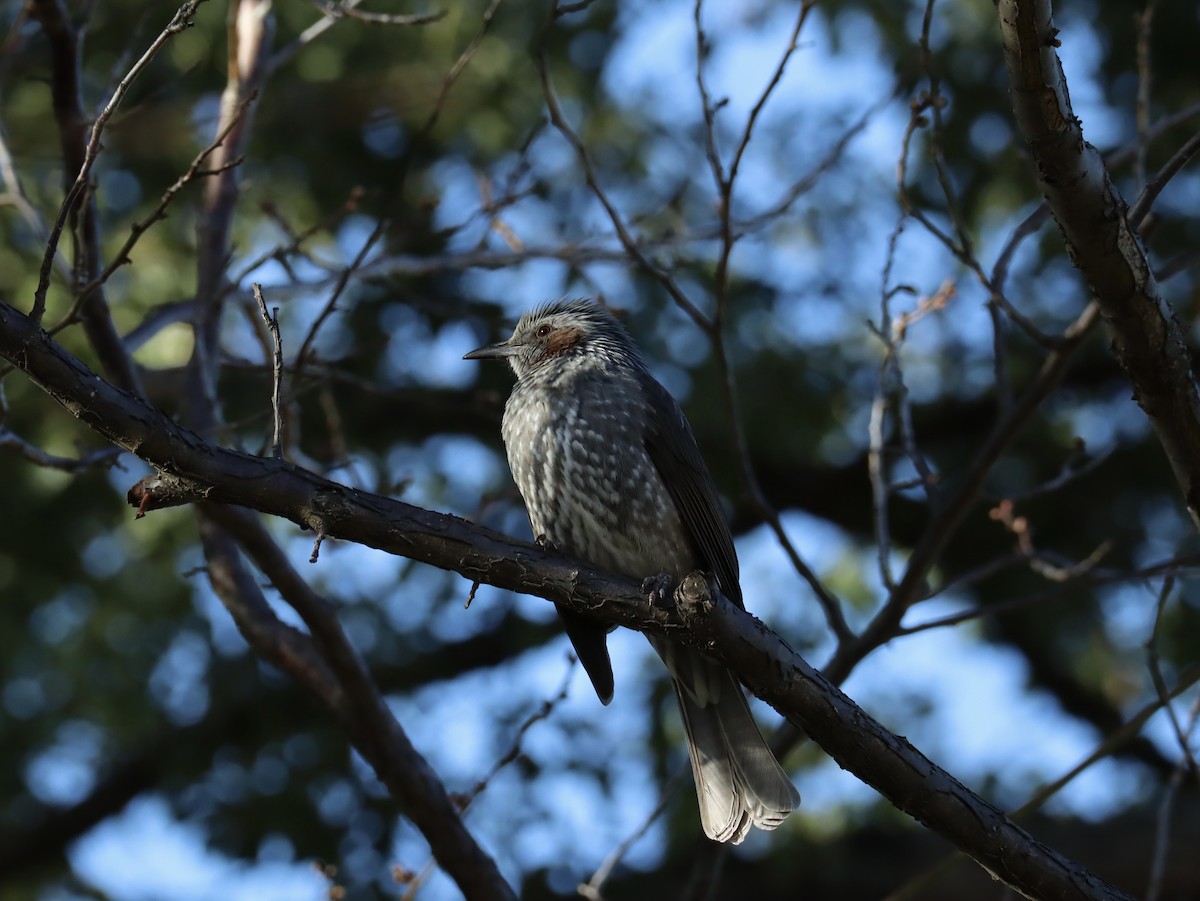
{"x":543,"y":331}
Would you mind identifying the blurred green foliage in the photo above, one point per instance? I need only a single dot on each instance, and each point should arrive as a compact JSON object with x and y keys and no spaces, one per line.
{"x":113,"y":650}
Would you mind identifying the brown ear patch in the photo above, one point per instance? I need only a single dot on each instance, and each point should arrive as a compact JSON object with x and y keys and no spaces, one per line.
{"x":559,"y":341}
{"x":563,"y":339}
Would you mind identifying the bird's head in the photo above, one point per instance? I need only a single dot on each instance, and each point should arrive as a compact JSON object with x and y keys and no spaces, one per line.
{"x":557,"y":332}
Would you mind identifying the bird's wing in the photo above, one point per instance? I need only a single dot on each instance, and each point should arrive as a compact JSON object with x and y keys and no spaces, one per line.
{"x":672,"y":448}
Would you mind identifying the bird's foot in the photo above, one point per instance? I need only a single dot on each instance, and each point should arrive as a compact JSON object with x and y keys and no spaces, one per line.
{"x":545,"y":543}
{"x":658,"y":590}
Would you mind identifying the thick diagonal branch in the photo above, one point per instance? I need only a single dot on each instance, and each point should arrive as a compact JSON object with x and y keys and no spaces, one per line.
{"x":763,"y":661}
{"x":1103,"y":243}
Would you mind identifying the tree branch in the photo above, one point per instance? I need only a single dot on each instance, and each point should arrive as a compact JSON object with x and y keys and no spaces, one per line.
{"x":79,"y":152}
{"x":764,"y":662}
{"x":358,"y":706}
{"x":43,"y":837}
{"x":1103,"y":242}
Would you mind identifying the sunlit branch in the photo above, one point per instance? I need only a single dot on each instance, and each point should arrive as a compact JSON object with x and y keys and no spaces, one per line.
{"x":271,"y":320}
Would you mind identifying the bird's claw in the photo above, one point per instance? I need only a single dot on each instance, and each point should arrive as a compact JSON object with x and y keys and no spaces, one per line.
{"x":658,"y":590}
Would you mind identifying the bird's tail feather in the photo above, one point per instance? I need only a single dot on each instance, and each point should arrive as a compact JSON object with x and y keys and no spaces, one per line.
{"x":739,"y":783}
{"x":590,"y":640}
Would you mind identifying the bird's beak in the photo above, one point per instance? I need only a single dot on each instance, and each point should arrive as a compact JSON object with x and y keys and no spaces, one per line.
{"x":499,"y":351}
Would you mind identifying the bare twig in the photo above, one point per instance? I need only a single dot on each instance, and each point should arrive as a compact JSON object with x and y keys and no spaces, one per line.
{"x":914,"y":888}
{"x":105,"y":457}
{"x":1160,"y":684}
{"x":337,"y":12}
{"x":879,"y":484}
{"x":805,"y":183}
{"x":831,"y":607}
{"x":271,"y":319}
{"x":593,"y":888}
{"x":1187,"y":761}
{"x":1027,"y":227}
{"x":1141,"y":207}
{"x":928,"y":549}
{"x":933,"y":104}
{"x":1072,"y":470}
{"x":926,"y":109}
{"x":351,"y":11}
{"x":179,"y":22}
{"x":632,"y":248}
{"x":14,"y":195}
{"x":336,"y":434}
{"x":460,"y":64}
{"x":194,"y":171}
{"x":1145,"y":21}
{"x":1162,"y":837}
{"x":1082,"y":579}
{"x":464,"y":801}
{"x":296,"y":239}
{"x":1112,"y":742}
{"x":345,"y":687}
{"x":566,"y":9}
{"x":891,"y":330}
{"x":1021,"y":529}
{"x":1041,"y":214}
{"x":1163,"y":827}
{"x":724,"y":183}
{"x":302,"y":355}
{"x":248,"y":35}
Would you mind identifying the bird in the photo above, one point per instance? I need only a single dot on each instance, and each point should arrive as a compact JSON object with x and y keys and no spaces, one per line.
{"x":611,"y":473}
